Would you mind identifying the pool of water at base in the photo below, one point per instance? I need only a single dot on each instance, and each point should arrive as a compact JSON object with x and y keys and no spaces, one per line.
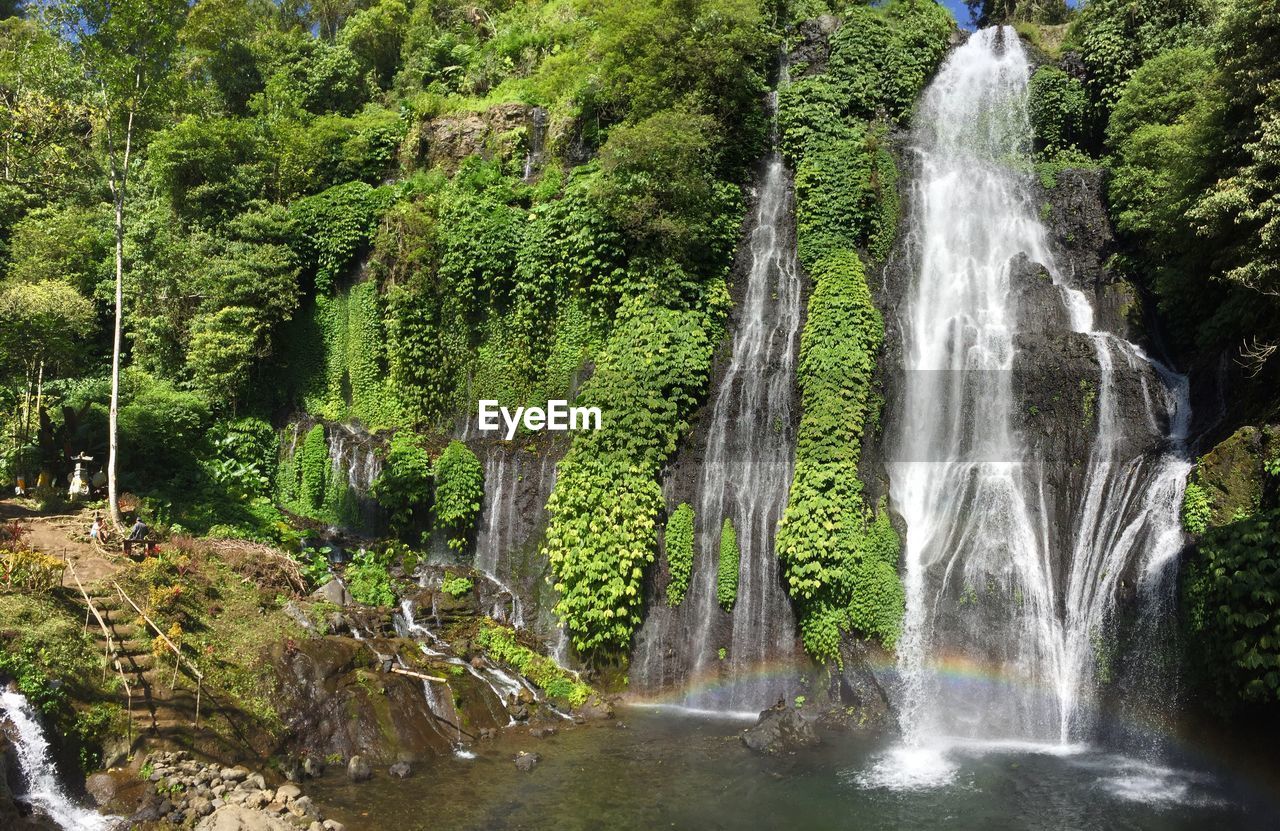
{"x":654,"y":770}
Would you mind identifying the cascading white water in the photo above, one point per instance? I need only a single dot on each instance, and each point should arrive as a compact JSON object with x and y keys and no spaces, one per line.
{"x":992,"y":583}
{"x":744,"y":476}
{"x":43,"y":790}
{"x":516,"y":487}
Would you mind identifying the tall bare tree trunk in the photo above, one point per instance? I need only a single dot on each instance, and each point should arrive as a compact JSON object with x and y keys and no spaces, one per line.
{"x":113,"y":491}
{"x":119,"y":181}
{"x":39,"y":395}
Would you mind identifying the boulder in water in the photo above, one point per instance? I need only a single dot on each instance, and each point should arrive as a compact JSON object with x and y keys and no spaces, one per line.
{"x":525,"y":761}
{"x":359,"y":769}
{"x":781,"y":729}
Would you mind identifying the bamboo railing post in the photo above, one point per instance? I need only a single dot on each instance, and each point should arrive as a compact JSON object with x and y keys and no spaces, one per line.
{"x":108,"y":649}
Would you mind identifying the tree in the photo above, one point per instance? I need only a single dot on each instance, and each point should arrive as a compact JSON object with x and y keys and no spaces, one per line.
{"x":125,"y":50}
{"x":42,"y":326}
{"x":1241,"y":211}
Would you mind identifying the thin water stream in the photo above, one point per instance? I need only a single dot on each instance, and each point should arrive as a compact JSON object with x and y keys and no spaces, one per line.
{"x":744,"y":477}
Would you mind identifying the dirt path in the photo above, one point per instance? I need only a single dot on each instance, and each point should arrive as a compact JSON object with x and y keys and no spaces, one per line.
{"x":63,"y":534}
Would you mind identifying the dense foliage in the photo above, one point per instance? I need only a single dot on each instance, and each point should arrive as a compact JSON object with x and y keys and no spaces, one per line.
{"x":840,"y":556}
{"x":606,"y":502}
{"x":1232,"y":606}
{"x":328,"y":218}
{"x":459,"y":487}
{"x":678,"y":544}
{"x":728,"y":566}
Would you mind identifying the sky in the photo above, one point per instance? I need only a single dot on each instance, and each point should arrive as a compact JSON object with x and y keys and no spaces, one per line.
{"x":959,"y":11}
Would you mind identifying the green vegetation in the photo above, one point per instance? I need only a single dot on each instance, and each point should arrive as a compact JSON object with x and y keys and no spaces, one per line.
{"x":606,"y":502}
{"x":457,"y":585}
{"x":727,"y":571}
{"x":404,"y":488}
{"x":678,"y":543}
{"x":840,"y":556}
{"x":500,"y":644}
{"x":269,"y":270}
{"x":459,"y":478}
{"x":1231,"y":597}
{"x":1057,"y":107}
{"x":1196,"y":512}
{"x":368,"y":579}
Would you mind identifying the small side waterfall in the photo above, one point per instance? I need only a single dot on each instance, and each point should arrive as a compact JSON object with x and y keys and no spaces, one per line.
{"x":1020,"y":537}
{"x":537,"y":142}
{"x":517,"y":484}
{"x":43,"y":790}
{"x":353,"y":465}
{"x":353,"y":456}
{"x":744,"y":477}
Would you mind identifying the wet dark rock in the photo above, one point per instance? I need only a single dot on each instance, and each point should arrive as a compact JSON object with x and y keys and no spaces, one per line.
{"x":595,"y":708}
{"x":810,"y":54}
{"x":525,"y":761}
{"x":858,"y":697}
{"x":401,"y":770}
{"x":781,"y":729}
{"x":1038,"y":301}
{"x":359,"y":769}
{"x":292,"y":769}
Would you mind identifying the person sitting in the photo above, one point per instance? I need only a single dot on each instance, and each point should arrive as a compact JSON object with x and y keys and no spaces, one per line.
{"x":137,"y":534}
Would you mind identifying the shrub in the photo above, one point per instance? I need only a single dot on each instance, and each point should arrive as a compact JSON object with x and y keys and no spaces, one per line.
{"x":1231,"y":601}
{"x":1196,"y":510}
{"x":679,"y":546}
{"x":30,"y":572}
{"x":313,"y":466}
{"x":456,"y":585}
{"x":404,"y":486}
{"x":1056,"y":105}
{"x":838,"y":560}
{"x":727,"y":573}
{"x":367,"y":579}
{"x":459,"y":490}
{"x":605,"y":505}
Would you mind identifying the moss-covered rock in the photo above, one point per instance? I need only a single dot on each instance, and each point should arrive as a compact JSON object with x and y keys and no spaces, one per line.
{"x":1231,"y":475}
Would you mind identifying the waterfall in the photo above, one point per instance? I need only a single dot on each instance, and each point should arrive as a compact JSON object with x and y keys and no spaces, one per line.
{"x":517,"y":485}
{"x":744,"y":476}
{"x":1014,"y":554}
{"x":537,"y":140}
{"x":43,"y":791}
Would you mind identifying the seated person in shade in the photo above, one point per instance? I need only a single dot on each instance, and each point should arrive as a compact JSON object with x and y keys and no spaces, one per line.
{"x":138,"y":532}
